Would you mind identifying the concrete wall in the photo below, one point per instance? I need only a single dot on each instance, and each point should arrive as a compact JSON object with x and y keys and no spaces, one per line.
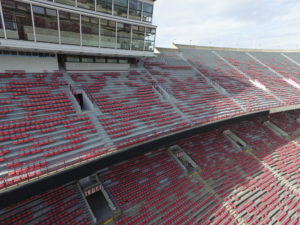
{"x":284,"y":108}
{"x":72,"y":66}
{"x":87,"y":104}
{"x":29,"y":64}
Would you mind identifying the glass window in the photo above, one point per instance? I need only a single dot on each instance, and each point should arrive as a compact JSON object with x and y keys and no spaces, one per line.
{"x":123,"y":61}
{"x":100,"y":60}
{"x":4,"y":52}
{"x":87,"y":59}
{"x":138,"y":38}
{"x":72,"y":59}
{"x":120,"y":8}
{"x":112,"y":61}
{"x":104,"y":6}
{"x":147,"y":12}
{"x":42,"y":54}
{"x":1,"y":29}
{"x":124,"y":35}
{"x":67,"y":2}
{"x":86,"y":4}
{"x":18,"y":21}
{"x":90,"y":31}
{"x":46,"y":28}
{"x":69,"y":28}
{"x":135,"y":9}
{"x":150,"y":39}
{"x":108,"y":34}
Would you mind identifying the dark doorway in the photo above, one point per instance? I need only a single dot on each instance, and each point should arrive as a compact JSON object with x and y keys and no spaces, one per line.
{"x":79,"y":99}
{"x":99,"y":206}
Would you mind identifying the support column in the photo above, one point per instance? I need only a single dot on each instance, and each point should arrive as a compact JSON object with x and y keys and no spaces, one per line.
{"x":2,"y":19}
{"x":33,"y":24}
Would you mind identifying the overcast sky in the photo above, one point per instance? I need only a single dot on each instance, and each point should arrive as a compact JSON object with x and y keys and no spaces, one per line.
{"x":229,"y":23}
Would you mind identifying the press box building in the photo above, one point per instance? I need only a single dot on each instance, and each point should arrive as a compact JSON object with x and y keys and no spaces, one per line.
{"x":74,"y":31}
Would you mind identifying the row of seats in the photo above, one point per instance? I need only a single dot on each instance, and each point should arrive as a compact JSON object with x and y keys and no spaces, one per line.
{"x":288,"y":122}
{"x":131,"y":110}
{"x":38,"y":142}
{"x":216,"y":92}
{"x":166,"y":95}
{"x":127,"y":100}
{"x":194,"y":96}
{"x":256,"y":186}
{"x":236,"y":84}
{"x":61,"y":205}
{"x":22,"y":74}
{"x":287,"y":93}
{"x":246,"y":183}
{"x":280,"y":64}
{"x":40,"y":130}
{"x":165,"y":194}
{"x":34,"y":94}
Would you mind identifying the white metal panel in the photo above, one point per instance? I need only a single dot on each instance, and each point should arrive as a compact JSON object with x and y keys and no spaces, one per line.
{"x":28,"y":63}
{"x":72,"y":49}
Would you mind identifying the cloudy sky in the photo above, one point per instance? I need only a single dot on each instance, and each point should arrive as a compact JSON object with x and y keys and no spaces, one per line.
{"x":230,"y":23}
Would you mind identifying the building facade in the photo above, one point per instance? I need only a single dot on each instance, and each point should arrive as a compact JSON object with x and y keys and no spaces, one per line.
{"x":97,"y":27}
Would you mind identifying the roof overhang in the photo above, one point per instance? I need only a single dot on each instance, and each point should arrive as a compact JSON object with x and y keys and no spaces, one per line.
{"x":232,"y":49}
{"x":17,"y":45}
